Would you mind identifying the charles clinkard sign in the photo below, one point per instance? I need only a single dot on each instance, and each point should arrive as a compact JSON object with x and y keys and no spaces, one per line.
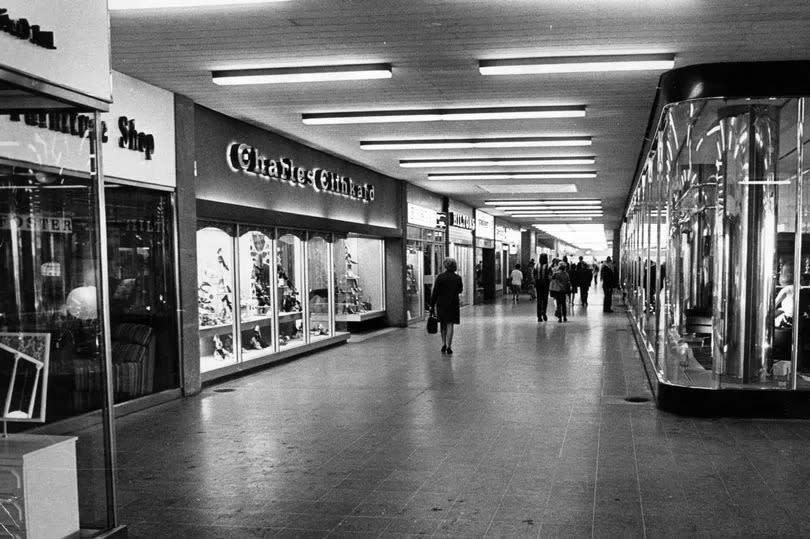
{"x":245,"y":158}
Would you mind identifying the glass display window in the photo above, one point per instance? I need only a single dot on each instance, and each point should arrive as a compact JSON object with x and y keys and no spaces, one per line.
{"x":319,"y":293}
{"x":215,"y":297}
{"x":141,"y":268}
{"x":289,"y":282}
{"x":413,"y":277}
{"x":359,"y":278}
{"x":256,"y":310}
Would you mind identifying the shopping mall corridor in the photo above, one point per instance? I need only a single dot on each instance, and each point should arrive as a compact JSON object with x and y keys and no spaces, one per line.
{"x":523,"y":432}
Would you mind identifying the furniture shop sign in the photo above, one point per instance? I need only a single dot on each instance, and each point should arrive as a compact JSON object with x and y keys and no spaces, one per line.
{"x":246,"y":158}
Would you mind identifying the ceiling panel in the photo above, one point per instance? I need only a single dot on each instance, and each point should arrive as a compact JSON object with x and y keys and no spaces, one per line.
{"x":434,"y":47}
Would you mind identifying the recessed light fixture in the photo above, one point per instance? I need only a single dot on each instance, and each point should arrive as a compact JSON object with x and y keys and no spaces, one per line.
{"x":159,"y":4}
{"x":538,"y":202}
{"x":277,"y":75}
{"x":453,"y":144}
{"x":438,"y":115}
{"x":496,"y":162}
{"x":476,"y":176}
{"x":577,"y":64}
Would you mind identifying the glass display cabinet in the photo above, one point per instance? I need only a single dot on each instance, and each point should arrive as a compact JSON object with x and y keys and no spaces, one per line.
{"x":215,"y":286}
{"x":716,"y":241}
{"x":254,"y":278}
{"x":359,"y":278}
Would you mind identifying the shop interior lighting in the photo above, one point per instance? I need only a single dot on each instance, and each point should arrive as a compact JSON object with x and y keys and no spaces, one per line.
{"x":577,"y":64}
{"x":278,"y":75}
{"x":540,"y":202}
{"x":497,"y":162}
{"x":438,"y":115}
{"x":475,"y":176}
{"x":459,"y":144}
{"x":159,"y":4}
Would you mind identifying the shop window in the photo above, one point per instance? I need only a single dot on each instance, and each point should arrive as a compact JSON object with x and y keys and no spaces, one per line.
{"x":256,"y":293}
{"x":290,"y":278}
{"x":359,"y":271}
{"x":140,"y":248}
{"x":319,"y":294}
{"x":413,"y":278}
{"x":215,"y":263}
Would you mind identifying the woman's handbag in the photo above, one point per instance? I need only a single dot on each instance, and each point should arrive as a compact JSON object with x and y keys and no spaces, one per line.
{"x":432,"y":323}
{"x":555,"y":285}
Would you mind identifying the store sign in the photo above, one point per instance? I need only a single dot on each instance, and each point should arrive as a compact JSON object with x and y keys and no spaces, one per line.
{"x":31,"y":29}
{"x":461,"y":220}
{"x":22,"y":29}
{"x":513,"y":235}
{"x":500,"y":233}
{"x":45,"y":223}
{"x":484,"y":225}
{"x":421,"y":216}
{"x":61,"y":139}
{"x":246,"y":158}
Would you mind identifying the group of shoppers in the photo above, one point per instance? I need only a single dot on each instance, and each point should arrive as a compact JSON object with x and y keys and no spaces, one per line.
{"x":558,"y":280}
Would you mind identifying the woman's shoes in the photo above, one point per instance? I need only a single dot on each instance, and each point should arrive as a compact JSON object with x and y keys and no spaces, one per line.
{"x":449,"y":351}
{"x":565,"y":319}
{"x":545,"y":318}
{"x":444,"y":349}
{"x":559,"y":319}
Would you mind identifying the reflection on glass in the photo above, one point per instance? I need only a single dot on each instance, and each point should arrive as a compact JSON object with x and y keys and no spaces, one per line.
{"x":255,"y":294}
{"x":142,"y":303}
{"x":215,"y":298}
{"x":290,"y":276}
{"x":318,"y":272}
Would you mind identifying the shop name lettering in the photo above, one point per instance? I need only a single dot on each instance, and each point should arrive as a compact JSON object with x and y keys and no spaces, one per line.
{"x":80,"y":125}
{"x":460,"y":220}
{"x":22,"y":29}
{"x":62,"y":225}
{"x":247,"y":158}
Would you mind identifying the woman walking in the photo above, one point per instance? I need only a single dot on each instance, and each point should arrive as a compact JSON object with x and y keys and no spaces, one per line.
{"x":444,"y":299}
{"x":560,"y":287}
{"x":516,"y":280}
{"x":542,"y":275}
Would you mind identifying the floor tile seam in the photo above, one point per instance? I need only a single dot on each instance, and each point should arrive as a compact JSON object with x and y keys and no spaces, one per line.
{"x":638,"y":479}
{"x":596,"y":472}
{"x":715,"y":467}
{"x":750,"y":462}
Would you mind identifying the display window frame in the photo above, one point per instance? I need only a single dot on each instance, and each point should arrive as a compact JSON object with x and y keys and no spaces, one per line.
{"x":355,"y":295}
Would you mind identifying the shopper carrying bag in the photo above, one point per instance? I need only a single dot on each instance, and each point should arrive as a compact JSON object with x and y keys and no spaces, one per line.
{"x":432,"y":323}
{"x":444,"y":299}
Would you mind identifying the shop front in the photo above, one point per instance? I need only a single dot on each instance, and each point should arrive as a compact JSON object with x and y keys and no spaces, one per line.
{"x":484,"y":256}
{"x":293,"y":246}
{"x":425,"y":248}
{"x":461,"y":226}
{"x":55,"y":329}
{"x":501,"y":259}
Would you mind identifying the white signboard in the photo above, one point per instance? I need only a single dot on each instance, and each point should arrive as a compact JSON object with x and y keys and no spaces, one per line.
{"x":64,"y":42}
{"x":421,"y":216}
{"x":500,"y":233}
{"x":484,"y":225}
{"x":137,"y":136}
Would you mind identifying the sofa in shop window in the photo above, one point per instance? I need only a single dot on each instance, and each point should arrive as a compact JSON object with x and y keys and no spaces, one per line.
{"x":133,"y":358}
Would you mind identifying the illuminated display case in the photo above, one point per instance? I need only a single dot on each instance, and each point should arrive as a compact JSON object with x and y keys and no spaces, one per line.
{"x":257,"y":333}
{"x":319,"y":292}
{"x":290,"y":278}
{"x":359,"y":278}
{"x":215,"y":297}
{"x":715,"y":259}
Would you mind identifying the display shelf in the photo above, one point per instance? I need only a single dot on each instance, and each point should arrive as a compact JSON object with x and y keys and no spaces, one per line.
{"x":359,"y":317}
{"x":248,"y":324}
{"x":212,"y":330}
{"x":249,"y":355}
{"x":288,"y":316}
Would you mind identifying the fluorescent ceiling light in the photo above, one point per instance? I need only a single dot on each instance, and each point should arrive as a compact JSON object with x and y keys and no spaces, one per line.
{"x":519,"y":188}
{"x":583,"y":236}
{"x":278,"y":75}
{"x":577,"y":64}
{"x":555,"y":212}
{"x":513,"y":176}
{"x":554,"y":209}
{"x":436,"y":115}
{"x":564,"y":219}
{"x":550,"y":201}
{"x":453,"y":144}
{"x":158,"y":4}
{"x":496,"y":162}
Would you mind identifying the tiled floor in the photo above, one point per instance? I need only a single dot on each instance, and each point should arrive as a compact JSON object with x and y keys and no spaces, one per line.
{"x":524,"y":432}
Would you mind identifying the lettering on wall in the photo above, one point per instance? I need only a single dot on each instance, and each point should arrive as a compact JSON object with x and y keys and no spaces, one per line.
{"x":22,"y":29}
{"x":460,"y":220}
{"x":134,"y":140}
{"x":245,"y":158}
{"x":81,"y":125}
{"x":45,"y":223}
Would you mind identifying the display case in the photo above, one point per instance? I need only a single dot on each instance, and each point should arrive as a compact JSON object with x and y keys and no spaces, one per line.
{"x":215,"y":298}
{"x":319,"y":292}
{"x":359,"y":278}
{"x":715,"y":240}
{"x":289,"y":278}
{"x":257,"y":332}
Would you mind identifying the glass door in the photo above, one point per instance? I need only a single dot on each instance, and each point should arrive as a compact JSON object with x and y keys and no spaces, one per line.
{"x":413,"y":280}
